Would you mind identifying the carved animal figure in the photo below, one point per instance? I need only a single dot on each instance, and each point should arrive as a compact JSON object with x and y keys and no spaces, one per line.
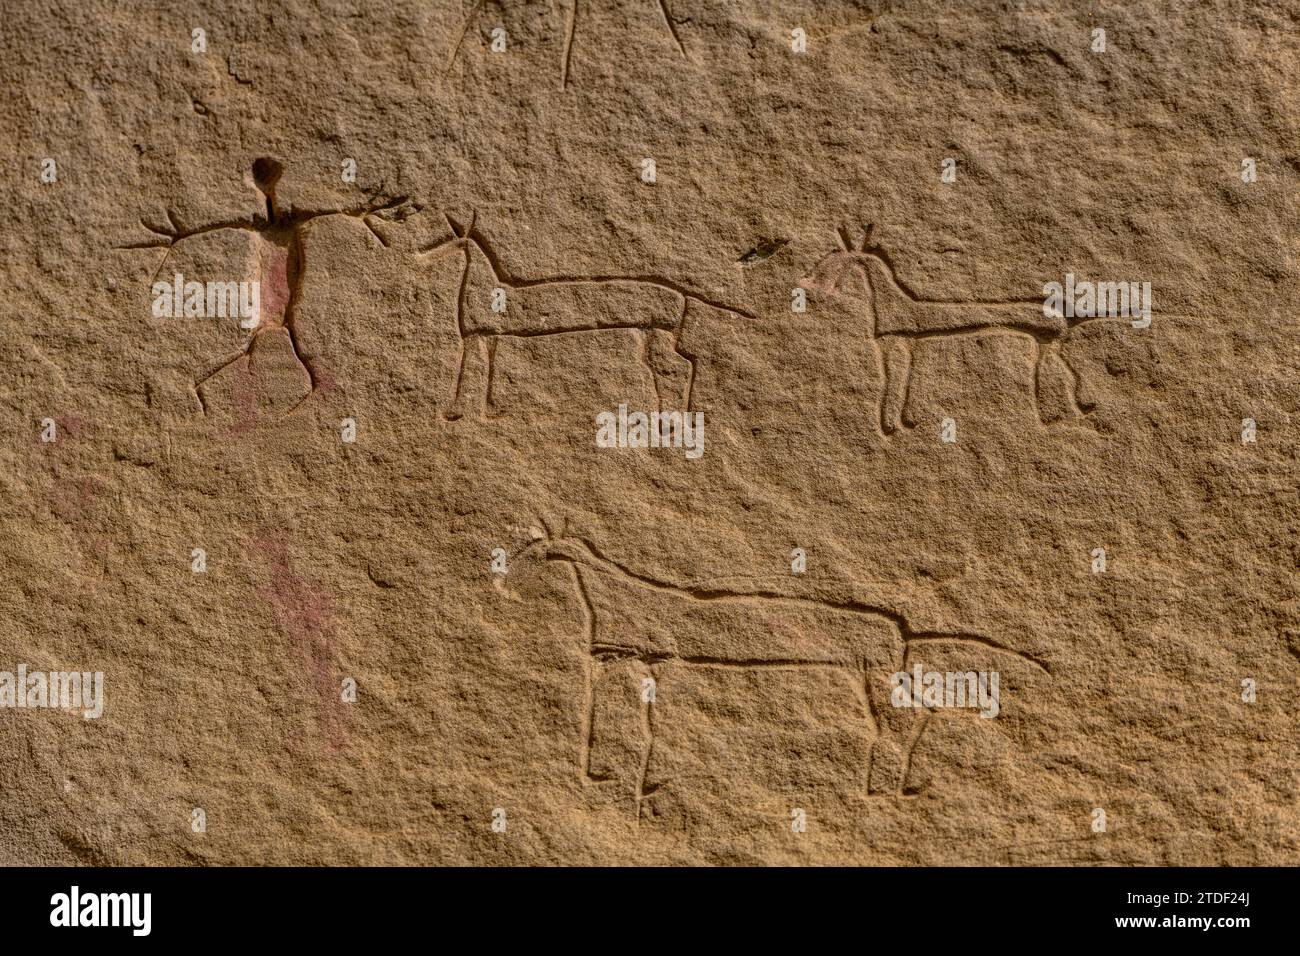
{"x":710,"y":626}
{"x":900,"y":321}
{"x":493,"y":305}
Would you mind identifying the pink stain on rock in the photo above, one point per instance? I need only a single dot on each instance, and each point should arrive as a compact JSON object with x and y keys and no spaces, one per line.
{"x":303,"y":612}
{"x":66,"y":427}
{"x":246,"y":391}
{"x":82,"y":504}
{"x":275,"y":292}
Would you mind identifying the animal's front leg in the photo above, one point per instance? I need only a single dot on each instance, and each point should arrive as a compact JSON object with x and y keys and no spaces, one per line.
{"x":618,"y":730}
{"x":897,"y":356}
{"x":471,"y":376}
{"x":896,"y":724}
{"x":671,"y":371}
{"x":489,"y":398}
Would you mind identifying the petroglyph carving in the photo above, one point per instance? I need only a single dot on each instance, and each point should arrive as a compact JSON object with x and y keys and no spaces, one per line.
{"x":900,"y":321}
{"x":494,"y":304}
{"x":570,"y":32}
{"x":867,"y":643}
{"x":281,"y":262}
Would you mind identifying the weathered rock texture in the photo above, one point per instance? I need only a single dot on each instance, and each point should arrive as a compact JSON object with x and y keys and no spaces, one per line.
{"x":523,"y":170}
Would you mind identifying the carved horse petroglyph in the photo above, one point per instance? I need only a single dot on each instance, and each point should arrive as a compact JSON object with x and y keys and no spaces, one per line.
{"x":900,"y":321}
{"x":699,"y":629}
{"x":492,"y":305}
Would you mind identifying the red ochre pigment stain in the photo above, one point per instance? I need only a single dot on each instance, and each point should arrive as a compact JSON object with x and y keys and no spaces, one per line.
{"x":275,"y":291}
{"x":303,"y":612}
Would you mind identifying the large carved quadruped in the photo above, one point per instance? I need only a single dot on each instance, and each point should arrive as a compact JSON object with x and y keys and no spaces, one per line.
{"x":900,"y":320}
{"x":708,"y":626}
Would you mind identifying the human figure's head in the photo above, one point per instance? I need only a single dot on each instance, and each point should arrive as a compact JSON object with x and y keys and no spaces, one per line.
{"x":266,"y":173}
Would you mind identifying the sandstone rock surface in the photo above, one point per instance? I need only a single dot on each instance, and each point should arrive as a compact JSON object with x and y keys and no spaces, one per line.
{"x":619,"y":207}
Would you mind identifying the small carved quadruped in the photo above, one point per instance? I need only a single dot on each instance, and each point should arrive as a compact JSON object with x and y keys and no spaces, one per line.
{"x":492,"y":305}
{"x":869,"y":644}
{"x":899,"y":321}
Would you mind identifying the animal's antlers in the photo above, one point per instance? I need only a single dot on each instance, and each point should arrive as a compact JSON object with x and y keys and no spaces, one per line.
{"x":547,"y":534}
{"x":846,"y":243}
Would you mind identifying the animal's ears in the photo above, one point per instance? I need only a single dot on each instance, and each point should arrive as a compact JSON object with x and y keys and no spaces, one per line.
{"x":461,"y":225}
{"x":827,"y":277}
{"x":846,"y":240}
{"x":551,"y":527}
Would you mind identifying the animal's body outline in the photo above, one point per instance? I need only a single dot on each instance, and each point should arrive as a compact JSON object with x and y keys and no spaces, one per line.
{"x":897,"y":730}
{"x":899,"y":319}
{"x":570,"y":32}
{"x":480,"y":329}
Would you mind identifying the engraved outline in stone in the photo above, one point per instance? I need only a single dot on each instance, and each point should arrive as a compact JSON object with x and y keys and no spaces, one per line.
{"x":896,"y":730}
{"x":282,"y":228}
{"x":894,"y":348}
{"x":479,"y":346}
{"x":570,"y":31}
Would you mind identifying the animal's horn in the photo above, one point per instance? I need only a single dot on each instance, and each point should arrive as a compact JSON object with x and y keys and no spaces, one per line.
{"x":866,"y":237}
{"x":547,"y":530}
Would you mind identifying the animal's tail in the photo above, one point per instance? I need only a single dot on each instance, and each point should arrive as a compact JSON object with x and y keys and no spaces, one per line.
{"x":977,"y":640}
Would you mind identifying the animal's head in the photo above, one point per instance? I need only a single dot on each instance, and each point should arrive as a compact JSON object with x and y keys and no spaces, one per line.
{"x":552,"y":542}
{"x":848,"y":270}
{"x":464,"y":239}
{"x":521,"y":569}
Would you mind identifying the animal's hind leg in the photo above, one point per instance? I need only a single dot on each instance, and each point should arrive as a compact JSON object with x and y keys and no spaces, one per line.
{"x":1078,"y":399}
{"x":896,"y":729}
{"x":671,"y":370}
{"x":918,"y":730}
{"x":897,"y":355}
{"x":1052,"y":392}
{"x":688,"y":402}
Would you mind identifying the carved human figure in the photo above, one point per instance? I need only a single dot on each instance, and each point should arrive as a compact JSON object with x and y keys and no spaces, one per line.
{"x":279,"y":263}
